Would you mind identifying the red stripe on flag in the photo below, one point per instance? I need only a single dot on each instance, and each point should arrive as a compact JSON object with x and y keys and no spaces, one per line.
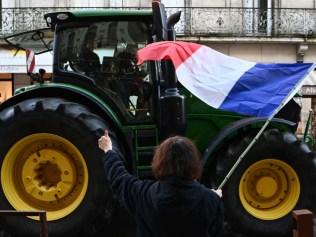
{"x":176,"y":51}
{"x":32,"y":66}
{"x":30,"y":61}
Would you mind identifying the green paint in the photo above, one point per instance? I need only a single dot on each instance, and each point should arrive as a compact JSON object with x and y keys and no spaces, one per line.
{"x":111,"y":13}
{"x":204,"y":123}
{"x":73,"y":88}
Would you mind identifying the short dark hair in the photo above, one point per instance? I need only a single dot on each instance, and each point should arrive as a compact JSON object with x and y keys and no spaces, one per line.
{"x":177,"y":156}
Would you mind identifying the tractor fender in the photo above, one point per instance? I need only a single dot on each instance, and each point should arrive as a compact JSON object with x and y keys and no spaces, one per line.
{"x":94,"y":103}
{"x":70,"y":93}
{"x":244,"y":124}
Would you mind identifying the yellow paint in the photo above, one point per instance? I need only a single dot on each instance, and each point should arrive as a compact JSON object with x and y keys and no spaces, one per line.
{"x":269,"y":189}
{"x":44,"y":172}
{"x":14,"y":52}
{"x":266,"y":187}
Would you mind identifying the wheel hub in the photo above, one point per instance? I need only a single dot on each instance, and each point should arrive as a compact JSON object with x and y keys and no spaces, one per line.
{"x":269,"y":189}
{"x":44,"y":171}
{"x":49,"y":175}
{"x":266,"y":187}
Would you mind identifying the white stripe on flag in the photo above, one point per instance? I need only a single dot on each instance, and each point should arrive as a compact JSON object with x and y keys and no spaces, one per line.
{"x":211,"y":75}
{"x":30,"y":61}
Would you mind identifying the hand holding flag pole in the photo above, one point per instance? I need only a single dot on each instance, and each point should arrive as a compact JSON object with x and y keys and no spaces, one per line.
{"x":229,"y":83}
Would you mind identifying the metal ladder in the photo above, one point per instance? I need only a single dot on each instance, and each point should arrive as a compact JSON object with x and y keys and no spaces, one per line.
{"x":146,"y":140}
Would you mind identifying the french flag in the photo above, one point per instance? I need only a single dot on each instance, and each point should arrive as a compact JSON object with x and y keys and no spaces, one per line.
{"x":229,"y":83}
{"x":30,"y":61}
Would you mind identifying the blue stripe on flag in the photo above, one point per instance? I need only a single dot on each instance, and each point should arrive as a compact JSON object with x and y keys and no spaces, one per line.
{"x":261,"y":89}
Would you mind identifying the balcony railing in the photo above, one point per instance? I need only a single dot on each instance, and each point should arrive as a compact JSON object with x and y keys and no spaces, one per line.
{"x":238,"y":22}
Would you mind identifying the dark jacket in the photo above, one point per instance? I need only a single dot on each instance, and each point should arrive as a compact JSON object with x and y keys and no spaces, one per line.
{"x":89,"y":62}
{"x":167,"y":208}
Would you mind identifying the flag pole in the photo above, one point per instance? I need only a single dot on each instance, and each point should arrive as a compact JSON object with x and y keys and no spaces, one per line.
{"x":256,"y":138}
{"x":240,"y":158}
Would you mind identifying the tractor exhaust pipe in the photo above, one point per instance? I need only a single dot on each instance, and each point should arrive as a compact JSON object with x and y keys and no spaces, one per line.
{"x":172,"y":119}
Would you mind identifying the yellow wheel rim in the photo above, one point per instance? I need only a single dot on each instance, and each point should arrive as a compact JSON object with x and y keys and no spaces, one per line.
{"x":44,"y":172}
{"x":269,"y":189}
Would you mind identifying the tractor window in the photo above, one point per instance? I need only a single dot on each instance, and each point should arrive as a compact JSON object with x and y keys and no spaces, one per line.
{"x":106,"y":52}
{"x":39,"y":40}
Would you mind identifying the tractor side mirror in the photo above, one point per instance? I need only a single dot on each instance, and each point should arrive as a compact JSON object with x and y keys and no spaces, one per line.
{"x":38,"y":77}
{"x":42,"y":71}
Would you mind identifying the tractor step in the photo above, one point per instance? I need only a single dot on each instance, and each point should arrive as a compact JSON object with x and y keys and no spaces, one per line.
{"x":146,"y":140}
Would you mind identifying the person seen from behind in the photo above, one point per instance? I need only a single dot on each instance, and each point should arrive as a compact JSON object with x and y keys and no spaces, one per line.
{"x":176,"y":205}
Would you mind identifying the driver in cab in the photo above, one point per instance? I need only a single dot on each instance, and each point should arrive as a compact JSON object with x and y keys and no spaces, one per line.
{"x":90,"y":62}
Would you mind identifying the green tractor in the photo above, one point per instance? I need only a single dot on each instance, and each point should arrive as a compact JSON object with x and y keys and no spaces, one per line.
{"x":50,"y":160}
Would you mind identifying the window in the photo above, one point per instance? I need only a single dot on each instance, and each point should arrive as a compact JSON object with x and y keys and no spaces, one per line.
{"x":106,"y":52}
{"x":263,"y":16}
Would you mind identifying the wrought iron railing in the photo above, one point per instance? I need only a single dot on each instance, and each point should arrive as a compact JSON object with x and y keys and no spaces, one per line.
{"x":196,"y":21}
{"x":252,"y":22}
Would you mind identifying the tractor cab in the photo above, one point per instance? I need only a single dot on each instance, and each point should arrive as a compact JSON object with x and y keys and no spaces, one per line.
{"x":105,"y":53}
{"x":100,"y":55}
{"x":96,"y":51}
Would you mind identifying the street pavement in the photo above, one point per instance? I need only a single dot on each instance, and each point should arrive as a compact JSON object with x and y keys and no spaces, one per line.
{"x":2,"y":234}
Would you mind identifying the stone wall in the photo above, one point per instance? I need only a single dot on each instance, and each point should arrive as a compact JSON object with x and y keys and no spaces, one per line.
{"x":147,"y":3}
{"x":75,"y":3}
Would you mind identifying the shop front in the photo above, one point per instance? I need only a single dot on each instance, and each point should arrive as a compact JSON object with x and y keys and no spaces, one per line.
{"x":13,"y":70}
{"x":6,"y":86}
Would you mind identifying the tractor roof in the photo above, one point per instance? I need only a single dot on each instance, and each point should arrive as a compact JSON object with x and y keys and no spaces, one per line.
{"x":96,"y":14}
{"x":112,"y":12}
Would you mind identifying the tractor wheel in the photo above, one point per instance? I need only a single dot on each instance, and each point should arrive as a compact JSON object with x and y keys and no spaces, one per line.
{"x":50,"y":160}
{"x":276,"y":176}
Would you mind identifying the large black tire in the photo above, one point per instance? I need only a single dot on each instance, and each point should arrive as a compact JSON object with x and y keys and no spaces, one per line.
{"x":277,"y":176}
{"x":42,"y":128}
